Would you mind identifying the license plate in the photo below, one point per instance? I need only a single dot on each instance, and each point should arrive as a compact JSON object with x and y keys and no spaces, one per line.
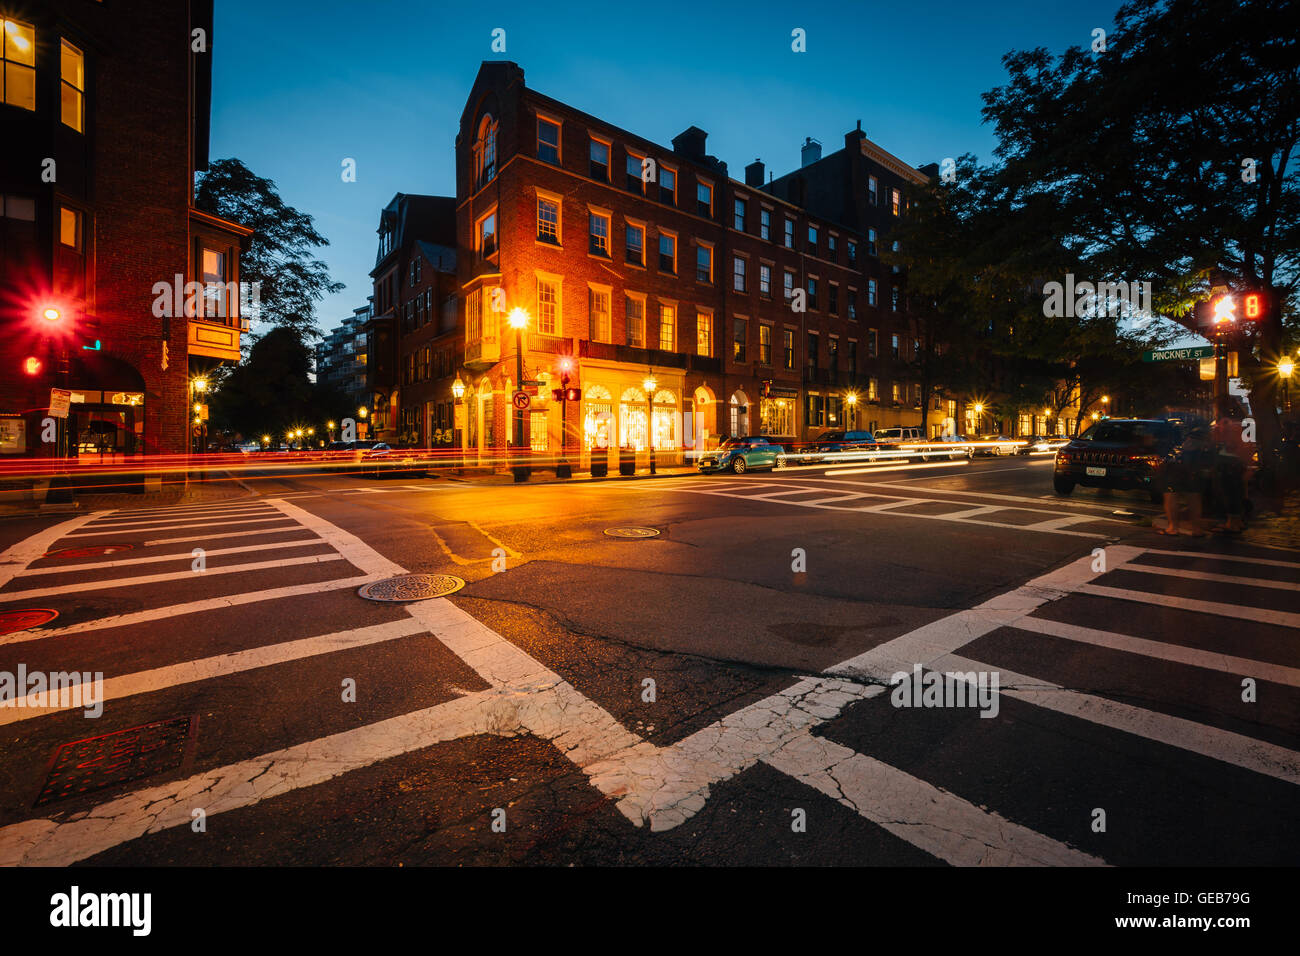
{"x":1097,"y":472}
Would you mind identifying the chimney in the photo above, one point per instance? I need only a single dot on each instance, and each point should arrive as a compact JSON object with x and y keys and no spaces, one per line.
{"x":690,"y":142}
{"x":854,"y":137}
{"x":754,"y":174}
{"x":811,"y":152}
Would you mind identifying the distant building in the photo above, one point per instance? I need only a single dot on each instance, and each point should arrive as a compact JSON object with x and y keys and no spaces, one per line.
{"x":341,"y":357}
{"x":104,"y":119}
{"x":414,"y":348}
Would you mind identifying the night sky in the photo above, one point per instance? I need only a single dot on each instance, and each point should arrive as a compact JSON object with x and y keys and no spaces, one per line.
{"x":299,"y":85}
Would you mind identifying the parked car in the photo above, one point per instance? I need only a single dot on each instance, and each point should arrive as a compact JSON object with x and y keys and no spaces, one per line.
{"x":1123,"y":453}
{"x":740,"y":455}
{"x":843,"y":444}
{"x":997,"y":445}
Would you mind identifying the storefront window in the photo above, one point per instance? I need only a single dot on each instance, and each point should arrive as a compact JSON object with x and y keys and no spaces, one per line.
{"x":633,"y":420}
{"x":598,"y":412}
{"x":777,"y":416}
{"x":665,"y":420}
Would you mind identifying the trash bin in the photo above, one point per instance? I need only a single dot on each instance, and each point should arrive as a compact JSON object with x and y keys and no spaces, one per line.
{"x":627,"y":461}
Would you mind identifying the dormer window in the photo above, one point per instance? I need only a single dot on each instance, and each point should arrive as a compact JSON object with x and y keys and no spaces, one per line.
{"x":485,"y":152}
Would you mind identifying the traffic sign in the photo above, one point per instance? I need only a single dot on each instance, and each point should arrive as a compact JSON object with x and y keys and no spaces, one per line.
{"x":1178,"y":355}
{"x":521,"y":400}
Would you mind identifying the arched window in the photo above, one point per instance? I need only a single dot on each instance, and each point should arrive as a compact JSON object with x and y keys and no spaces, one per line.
{"x":485,"y":152}
{"x":633,"y":419}
{"x":665,"y":431}
{"x":739,"y":407}
{"x":598,"y":409}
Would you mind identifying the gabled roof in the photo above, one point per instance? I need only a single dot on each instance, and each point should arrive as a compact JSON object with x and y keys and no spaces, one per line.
{"x":440,"y":257}
{"x":412,"y":218}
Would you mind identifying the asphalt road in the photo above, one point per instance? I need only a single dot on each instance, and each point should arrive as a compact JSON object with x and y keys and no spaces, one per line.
{"x":722,"y":691}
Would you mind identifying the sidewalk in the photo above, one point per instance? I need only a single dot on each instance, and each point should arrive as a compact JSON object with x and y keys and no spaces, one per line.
{"x":546,"y":476}
{"x":219,"y":488}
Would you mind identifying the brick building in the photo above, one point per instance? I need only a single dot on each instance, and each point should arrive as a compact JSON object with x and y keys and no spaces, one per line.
{"x":341,"y":357}
{"x":414,"y":347}
{"x":104,"y":117}
{"x":634,"y":262}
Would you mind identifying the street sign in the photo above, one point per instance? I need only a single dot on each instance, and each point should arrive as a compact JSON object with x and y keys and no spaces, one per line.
{"x":521,"y":400}
{"x":1178,"y":355}
{"x":527,"y":381}
{"x":60,"y":399}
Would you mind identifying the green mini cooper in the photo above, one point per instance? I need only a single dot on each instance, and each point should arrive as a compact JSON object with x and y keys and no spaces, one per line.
{"x":741,"y":455}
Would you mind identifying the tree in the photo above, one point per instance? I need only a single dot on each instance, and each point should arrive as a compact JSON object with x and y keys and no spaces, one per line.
{"x":271,"y":391}
{"x":1168,"y":157}
{"x":279,"y":254}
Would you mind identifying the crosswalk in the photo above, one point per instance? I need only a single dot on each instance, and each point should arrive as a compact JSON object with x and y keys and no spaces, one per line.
{"x":1124,"y":656}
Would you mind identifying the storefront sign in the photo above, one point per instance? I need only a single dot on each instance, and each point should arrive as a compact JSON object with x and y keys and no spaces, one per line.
{"x":60,"y":399}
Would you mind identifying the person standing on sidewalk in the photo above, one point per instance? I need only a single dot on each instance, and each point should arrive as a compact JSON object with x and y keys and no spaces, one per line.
{"x":1232,"y":465}
{"x":1186,"y":477}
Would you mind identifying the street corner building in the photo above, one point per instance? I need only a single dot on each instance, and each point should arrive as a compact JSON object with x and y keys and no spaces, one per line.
{"x":683,"y":305}
{"x":113,"y":287}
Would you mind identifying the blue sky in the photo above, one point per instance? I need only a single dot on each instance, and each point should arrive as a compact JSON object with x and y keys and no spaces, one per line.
{"x":300,"y":85}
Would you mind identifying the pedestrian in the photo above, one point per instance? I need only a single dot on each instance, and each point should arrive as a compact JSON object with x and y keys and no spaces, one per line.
{"x":1185,"y":480}
{"x":1232,"y":463}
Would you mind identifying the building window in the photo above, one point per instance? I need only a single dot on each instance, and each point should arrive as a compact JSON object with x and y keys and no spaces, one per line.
{"x":812,"y":239}
{"x":635,"y":313}
{"x":548,"y":306}
{"x":871,"y":292}
{"x":871,"y":343}
{"x":738,"y":266}
{"x":814,"y":350}
{"x":833,"y":299}
{"x":703,"y":263}
{"x":72,"y":86}
{"x":17,"y":64}
{"x":485,"y":152}
{"x":598,"y":315}
{"x":634,"y":182}
{"x":474,"y":317}
{"x":600,"y":160}
{"x":537,"y":431}
{"x":70,"y":231}
{"x":633,"y":419}
{"x":873,"y":390}
{"x":738,"y":219}
{"x":789,"y":348}
{"x":871,"y":243}
{"x":765,"y":345}
{"x":704,"y":333}
{"x":833,"y":353}
{"x":548,"y":141}
{"x":765,"y":224}
{"x":873,"y":190}
{"x":598,"y":227}
{"x":765,"y":281}
{"x":667,"y":327}
{"x":704,"y":200}
{"x":895,"y":201}
{"x":896,"y":393}
{"x":668,"y":186}
{"x":548,"y":221}
{"x":853,"y":355}
{"x":776,"y":416}
{"x":789,"y":233}
{"x":812,"y":292}
{"x":852,"y":300}
{"x":487,"y":235}
{"x":635,"y":247}
{"x":893,"y":298}
{"x":894,"y":248}
{"x":739,"y":339}
{"x":893,"y":347}
{"x":214,"y":283}
{"x":853,"y":253}
{"x":668,"y":254}
{"x":789,"y":286}
{"x":831,"y":246}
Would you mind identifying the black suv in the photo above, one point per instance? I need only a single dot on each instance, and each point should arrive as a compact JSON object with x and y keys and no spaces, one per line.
{"x":1126,"y":453}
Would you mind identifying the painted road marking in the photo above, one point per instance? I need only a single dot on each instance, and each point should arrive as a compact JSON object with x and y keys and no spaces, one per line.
{"x":1242,"y":612}
{"x":211,"y":535}
{"x":1211,"y":576}
{"x":178,"y":556}
{"x":175,"y":527}
{"x":16,"y":558}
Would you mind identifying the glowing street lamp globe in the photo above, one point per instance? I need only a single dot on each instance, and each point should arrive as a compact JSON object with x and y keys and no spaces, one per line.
{"x":458,"y":388}
{"x":518,"y":318}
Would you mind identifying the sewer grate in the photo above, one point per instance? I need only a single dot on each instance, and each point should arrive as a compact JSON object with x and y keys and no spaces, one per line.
{"x":23,"y":618}
{"x":631,"y":532}
{"x":91,"y":552}
{"x":411,"y":587}
{"x":96,"y":763}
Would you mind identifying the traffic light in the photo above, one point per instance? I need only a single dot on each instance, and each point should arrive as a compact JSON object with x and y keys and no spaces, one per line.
{"x":1235,"y":310}
{"x":567,"y":394}
{"x":32,"y":365}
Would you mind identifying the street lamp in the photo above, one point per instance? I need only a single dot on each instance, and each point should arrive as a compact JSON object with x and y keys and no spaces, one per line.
{"x":851,"y":400}
{"x":1284,"y":368}
{"x":518,"y":320}
{"x":650,"y":384}
{"x":266,"y":440}
{"x":457,"y":393}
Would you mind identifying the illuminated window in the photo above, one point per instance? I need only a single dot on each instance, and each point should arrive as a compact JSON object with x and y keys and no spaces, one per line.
{"x":18,"y":64}
{"x":548,"y":305}
{"x":214,"y":279}
{"x":895,"y":201}
{"x":765,"y":345}
{"x":70,"y":228}
{"x":788,"y":342}
{"x":72,"y":86}
{"x":667,"y":327}
{"x":635,"y":316}
{"x":704,"y":333}
{"x":548,"y":220}
{"x":537,"y":431}
{"x":739,"y":340}
{"x":548,"y":141}
{"x":485,"y":152}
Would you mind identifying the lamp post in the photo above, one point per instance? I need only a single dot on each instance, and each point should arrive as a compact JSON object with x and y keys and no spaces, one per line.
{"x":457,"y":393}
{"x":562,"y":470}
{"x":518,"y":320}
{"x":1284,"y":368}
{"x":851,"y":400}
{"x":979,"y":414}
{"x":650,"y":384}
{"x":329,"y":431}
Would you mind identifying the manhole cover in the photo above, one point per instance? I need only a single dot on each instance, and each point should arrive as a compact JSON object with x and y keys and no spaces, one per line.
{"x":631,"y":532}
{"x":92,"y":552}
{"x":412,"y":587}
{"x":23,"y":618}
{"x":96,"y":763}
